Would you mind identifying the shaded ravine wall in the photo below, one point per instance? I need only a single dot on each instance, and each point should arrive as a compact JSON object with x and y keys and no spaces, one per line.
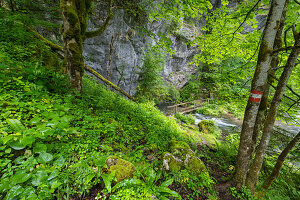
{"x":119,"y":50}
{"x":122,"y":46}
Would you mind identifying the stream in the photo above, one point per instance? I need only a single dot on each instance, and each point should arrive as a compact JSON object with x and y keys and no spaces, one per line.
{"x":282,"y":133}
{"x":228,"y":125}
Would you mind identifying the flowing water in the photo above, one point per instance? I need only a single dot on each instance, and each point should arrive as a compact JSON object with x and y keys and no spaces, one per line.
{"x":282,"y":134}
{"x":229,"y":125}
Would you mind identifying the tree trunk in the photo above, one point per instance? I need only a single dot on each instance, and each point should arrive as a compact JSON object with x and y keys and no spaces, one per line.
{"x":12,"y":5}
{"x":269,"y":123}
{"x":276,"y":170}
{"x":72,"y":38}
{"x":260,"y":118}
{"x":258,"y":82}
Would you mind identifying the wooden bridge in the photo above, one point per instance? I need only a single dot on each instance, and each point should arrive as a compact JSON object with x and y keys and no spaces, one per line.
{"x":186,"y":107}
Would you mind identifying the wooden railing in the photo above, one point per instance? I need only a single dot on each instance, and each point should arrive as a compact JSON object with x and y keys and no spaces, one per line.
{"x":187,"y":106}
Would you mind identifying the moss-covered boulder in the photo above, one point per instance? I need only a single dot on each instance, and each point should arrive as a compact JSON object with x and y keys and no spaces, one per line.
{"x":206,"y":126}
{"x":172,"y":163}
{"x":182,"y":156}
{"x":123,"y":168}
{"x":194,"y":164}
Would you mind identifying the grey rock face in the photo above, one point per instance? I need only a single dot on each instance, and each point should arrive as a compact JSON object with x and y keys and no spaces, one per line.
{"x":118,"y":52}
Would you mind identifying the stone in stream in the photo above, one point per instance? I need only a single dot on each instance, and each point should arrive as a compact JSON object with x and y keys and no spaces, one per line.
{"x":206,"y":126}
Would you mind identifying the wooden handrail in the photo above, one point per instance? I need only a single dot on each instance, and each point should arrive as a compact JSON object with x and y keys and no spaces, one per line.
{"x":180,"y":104}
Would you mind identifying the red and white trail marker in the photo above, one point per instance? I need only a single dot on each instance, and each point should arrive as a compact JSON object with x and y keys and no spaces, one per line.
{"x":255,"y":96}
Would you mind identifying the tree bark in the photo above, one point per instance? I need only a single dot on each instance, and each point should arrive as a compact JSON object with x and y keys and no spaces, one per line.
{"x":258,"y":82}
{"x":269,"y":123}
{"x":276,"y":170}
{"x":73,"y":42}
{"x":75,"y":13}
{"x":260,"y":118}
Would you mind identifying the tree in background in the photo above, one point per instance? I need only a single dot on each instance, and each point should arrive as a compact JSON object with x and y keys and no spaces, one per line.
{"x":74,"y":14}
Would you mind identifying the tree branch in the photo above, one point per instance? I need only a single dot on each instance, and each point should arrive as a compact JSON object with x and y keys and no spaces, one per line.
{"x":287,"y":87}
{"x":248,"y":13}
{"x":284,"y":49}
{"x":285,"y":33}
{"x":292,"y":105}
{"x":284,"y":94}
{"x":297,"y":2}
{"x":99,"y":31}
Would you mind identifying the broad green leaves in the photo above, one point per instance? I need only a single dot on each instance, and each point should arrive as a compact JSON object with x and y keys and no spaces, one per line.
{"x":44,"y":157}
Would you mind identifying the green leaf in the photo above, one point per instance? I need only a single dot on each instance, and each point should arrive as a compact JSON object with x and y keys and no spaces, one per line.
{"x":168,"y":192}
{"x":20,"y":177}
{"x":16,"y":125}
{"x":39,"y":148}
{"x":17,"y":145}
{"x":55,"y":184}
{"x":89,"y":178}
{"x":7,"y":138}
{"x":60,"y":162}
{"x":53,"y":175}
{"x":14,"y":192}
{"x":113,"y":197}
{"x":8,"y":150}
{"x":39,"y":177}
{"x":167,"y":183}
{"x":28,"y":192}
{"x":128,"y":182}
{"x":151,"y":176}
{"x":44,"y":157}
{"x":108,"y":178}
{"x":27,"y":140}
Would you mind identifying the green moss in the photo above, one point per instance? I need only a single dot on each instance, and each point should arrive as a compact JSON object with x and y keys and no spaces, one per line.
{"x":206,"y":126}
{"x":182,"y":157}
{"x":264,"y":51}
{"x":180,"y":148}
{"x":123,"y":168}
{"x":171,"y":163}
{"x":194,"y":164}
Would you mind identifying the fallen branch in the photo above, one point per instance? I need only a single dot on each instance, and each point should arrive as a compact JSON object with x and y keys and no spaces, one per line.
{"x":89,"y":69}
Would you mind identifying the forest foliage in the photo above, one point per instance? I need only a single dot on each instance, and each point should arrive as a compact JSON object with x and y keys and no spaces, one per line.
{"x":54,"y":141}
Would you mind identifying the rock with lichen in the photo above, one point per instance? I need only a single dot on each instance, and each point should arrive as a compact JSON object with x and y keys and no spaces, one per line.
{"x":123,"y":169}
{"x":171,"y":162}
{"x":182,"y":157}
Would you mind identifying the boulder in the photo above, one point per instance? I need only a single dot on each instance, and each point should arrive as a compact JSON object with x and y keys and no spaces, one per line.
{"x":123,"y":168}
{"x":182,"y":157}
{"x":206,"y":126}
{"x":172,"y":163}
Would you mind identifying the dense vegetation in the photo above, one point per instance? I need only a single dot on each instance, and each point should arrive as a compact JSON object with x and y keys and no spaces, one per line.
{"x":57,"y":142}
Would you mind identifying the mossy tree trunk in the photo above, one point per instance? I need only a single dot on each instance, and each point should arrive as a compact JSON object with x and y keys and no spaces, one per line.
{"x":260,"y":118}
{"x":75,"y":13}
{"x":270,"y":120}
{"x":257,"y":86}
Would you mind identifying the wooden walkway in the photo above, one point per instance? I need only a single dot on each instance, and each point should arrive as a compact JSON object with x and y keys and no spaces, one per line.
{"x":187,"y":106}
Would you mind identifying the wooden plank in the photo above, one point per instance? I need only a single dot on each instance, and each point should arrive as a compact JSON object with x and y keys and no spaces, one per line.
{"x":189,"y":110}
